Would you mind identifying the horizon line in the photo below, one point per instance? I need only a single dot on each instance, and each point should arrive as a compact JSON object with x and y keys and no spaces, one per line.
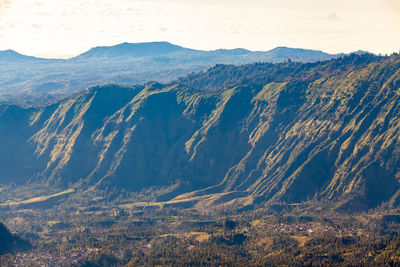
{"x":70,"y":56}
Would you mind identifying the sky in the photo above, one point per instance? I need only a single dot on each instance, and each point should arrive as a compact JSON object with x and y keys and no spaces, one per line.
{"x":65,"y":28}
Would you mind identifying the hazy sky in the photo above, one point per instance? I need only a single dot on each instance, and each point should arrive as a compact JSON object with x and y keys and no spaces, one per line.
{"x":62,"y":28}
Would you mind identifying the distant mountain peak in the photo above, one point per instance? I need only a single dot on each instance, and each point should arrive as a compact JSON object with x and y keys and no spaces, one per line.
{"x":236,"y":51}
{"x":298,"y":54}
{"x":10,"y":54}
{"x":286,"y":49}
{"x":135,"y":50}
{"x":9,"y":51}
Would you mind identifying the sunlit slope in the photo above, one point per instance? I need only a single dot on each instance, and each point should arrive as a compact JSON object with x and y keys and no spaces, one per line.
{"x":328,"y":132}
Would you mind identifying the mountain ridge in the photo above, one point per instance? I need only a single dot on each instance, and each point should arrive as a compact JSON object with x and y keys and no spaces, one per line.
{"x":132,"y":49}
{"x":325,"y":135}
{"x":28,"y":80}
{"x":163,"y":45}
{"x":11,"y":55}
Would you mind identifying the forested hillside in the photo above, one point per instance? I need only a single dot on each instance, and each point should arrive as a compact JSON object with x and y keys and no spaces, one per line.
{"x":10,"y":243}
{"x":258,"y":133}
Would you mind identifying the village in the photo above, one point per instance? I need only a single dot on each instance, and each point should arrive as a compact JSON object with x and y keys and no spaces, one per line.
{"x":72,"y":257}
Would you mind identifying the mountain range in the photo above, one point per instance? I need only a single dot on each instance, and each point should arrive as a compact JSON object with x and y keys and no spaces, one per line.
{"x":31,"y":81}
{"x":260,"y":133}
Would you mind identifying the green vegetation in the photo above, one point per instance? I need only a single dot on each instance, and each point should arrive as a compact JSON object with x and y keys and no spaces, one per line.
{"x":287,"y":132}
{"x":256,"y":165}
{"x":103,"y":235}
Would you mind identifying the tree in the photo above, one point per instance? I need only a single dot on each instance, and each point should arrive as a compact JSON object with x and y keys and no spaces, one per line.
{"x":229,"y":225}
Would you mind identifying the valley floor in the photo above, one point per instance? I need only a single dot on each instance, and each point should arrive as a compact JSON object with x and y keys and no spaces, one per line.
{"x":104,"y":234}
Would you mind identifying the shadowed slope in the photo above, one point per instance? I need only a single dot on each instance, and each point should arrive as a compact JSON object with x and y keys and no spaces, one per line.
{"x":10,"y":243}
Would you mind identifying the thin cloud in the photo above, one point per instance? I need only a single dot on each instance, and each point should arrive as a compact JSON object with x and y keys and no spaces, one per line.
{"x":333,"y":16}
{"x":3,"y":5}
{"x":72,"y":26}
{"x":163,"y":28}
{"x":4,"y":2}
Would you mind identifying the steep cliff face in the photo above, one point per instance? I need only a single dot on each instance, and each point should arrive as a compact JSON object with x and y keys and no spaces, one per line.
{"x":334,"y":138}
{"x":330,"y":131}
